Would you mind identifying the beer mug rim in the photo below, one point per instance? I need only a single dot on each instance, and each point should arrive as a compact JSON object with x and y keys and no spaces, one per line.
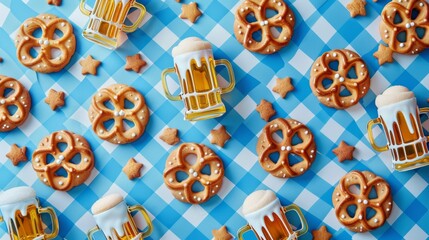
{"x":16,"y":195}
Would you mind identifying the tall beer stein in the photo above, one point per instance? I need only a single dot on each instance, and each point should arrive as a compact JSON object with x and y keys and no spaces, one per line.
{"x":267,"y":218}
{"x":114,"y":219}
{"x":22,"y":214}
{"x":107,"y":18}
{"x":399,"y":115}
{"x":195,"y":66}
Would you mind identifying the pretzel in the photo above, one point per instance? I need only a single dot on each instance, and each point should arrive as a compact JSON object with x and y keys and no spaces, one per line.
{"x":343,"y":197}
{"x":78,"y":170}
{"x":99,"y":113}
{"x":390,"y":28}
{"x":45,"y":62}
{"x":211,"y":182}
{"x":270,"y":43}
{"x":331,"y":95}
{"x":306,"y":150}
{"x":18,"y":97}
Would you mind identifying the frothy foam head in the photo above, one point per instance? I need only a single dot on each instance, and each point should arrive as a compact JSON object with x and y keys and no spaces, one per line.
{"x":257,"y":200}
{"x":393,"y":94}
{"x":17,"y":194}
{"x":105,"y":203}
{"x":191,"y":44}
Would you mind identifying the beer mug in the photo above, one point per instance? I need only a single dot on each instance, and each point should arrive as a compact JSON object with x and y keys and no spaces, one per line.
{"x":267,"y":218}
{"x":195,"y":67}
{"x":399,"y":115}
{"x":107,"y":18}
{"x":22,"y":214}
{"x":114,"y":219}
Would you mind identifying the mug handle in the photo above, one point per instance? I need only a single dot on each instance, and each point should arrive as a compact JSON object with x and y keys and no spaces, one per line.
{"x":164,"y":84}
{"x":228,"y":65}
{"x":55,"y":227}
{"x":91,"y":232}
{"x":371,"y":136}
{"x":83,"y":9}
{"x":138,"y":208}
{"x":425,"y":111}
{"x":242,"y":231}
{"x":304,"y":224}
{"x":133,"y":27}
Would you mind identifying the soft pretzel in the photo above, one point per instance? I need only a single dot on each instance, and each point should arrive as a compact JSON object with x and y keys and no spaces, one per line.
{"x":306,"y":150}
{"x":270,"y":43}
{"x":211,"y":181}
{"x":119,"y":133}
{"x":343,"y":197}
{"x":44,"y":62}
{"x":77,"y":169}
{"x":412,"y":42}
{"x":18,"y":97}
{"x":331,"y":95}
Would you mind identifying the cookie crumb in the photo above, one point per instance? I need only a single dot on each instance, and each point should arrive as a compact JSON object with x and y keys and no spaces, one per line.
{"x":266,"y":110}
{"x":219,"y":136}
{"x":190,"y":11}
{"x":321,"y":234}
{"x":283,"y":86}
{"x":55,"y":99}
{"x":135,"y":63}
{"x":17,"y":154}
{"x":169,"y":136}
{"x":344,"y":152}
{"x":384,"y":54}
{"x":89,"y":65}
{"x":221,"y":234}
{"x":357,"y":7}
{"x":54,"y":2}
{"x":132,"y":169}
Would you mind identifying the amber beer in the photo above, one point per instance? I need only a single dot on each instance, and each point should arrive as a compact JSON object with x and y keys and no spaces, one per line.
{"x":114,"y":219}
{"x":400,"y":117}
{"x":22,"y":214}
{"x":107,"y":18}
{"x":195,"y":68}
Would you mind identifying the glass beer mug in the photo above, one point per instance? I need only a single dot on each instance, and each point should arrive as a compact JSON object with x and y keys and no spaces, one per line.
{"x":400,"y":117}
{"x":22,"y":214}
{"x":107,"y":18}
{"x":267,"y":218}
{"x":114,"y":219}
{"x":195,"y":67}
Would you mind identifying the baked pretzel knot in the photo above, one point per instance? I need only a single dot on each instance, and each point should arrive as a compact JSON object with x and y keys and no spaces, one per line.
{"x":335,"y":72}
{"x":271,"y":39}
{"x":182,"y":175}
{"x":13,"y":94}
{"x":118,"y":114}
{"x":404,"y":26}
{"x":380,"y":201}
{"x":63,"y":160}
{"x":297,"y":144}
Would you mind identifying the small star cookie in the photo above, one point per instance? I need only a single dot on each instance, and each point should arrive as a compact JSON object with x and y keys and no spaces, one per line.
{"x":190,"y":11}
{"x":321,"y":234}
{"x":383,"y":54}
{"x":55,"y":99}
{"x":357,"y":7}
{"x":1,"y":60}
{"x":89,"y":65}
{"x":221,"y":234}
{"x":220,"y":136}
{"x":266,"y":110}
{"x":17,"y":155}
{"x":169,"y":136}
{"x":54,"y":2}
{"x":132,"y":169}
{"x":344,"y":152}
{"x":135,"y":63}
{"x":283,"y":86}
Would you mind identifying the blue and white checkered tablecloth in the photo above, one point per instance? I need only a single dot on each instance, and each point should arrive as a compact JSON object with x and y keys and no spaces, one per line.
{"x":321,"y":25}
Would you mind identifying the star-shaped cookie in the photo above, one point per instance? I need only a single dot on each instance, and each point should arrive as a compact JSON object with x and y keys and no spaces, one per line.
{"x":190,"y":11}
{"x":321,"y":234}
{"x":54,"y":2}
{"x":219,"y":136}
{"x":357,"y":7}
{"x":55,"y":99}
{"x":135,"y":63}
{"x":89,"y":65}
{"x":169,"y":136}
{"x":265,"y":109}
{"x":283,"y":86}
{"x":344,"y":152}
{"x":221,"y":234}
{"x":383,"y":54}
{"x":132,"y":169}
{"x":17,"y":154}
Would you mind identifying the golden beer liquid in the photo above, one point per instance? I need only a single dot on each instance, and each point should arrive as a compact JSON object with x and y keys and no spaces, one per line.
{"x":276,"y":229}
{"x":27,"y":227}
{"x":130,"y":230}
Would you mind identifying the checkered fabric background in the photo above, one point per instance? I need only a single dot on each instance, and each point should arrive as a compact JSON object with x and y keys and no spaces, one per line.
{"x":321,"y":25}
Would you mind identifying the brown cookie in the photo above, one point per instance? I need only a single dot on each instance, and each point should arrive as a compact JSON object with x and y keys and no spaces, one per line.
{"x":287,"y":148}
{"x":132,"y":169}
{"x":219,"y":136}
{"x":321,"y":234}
{"x":328,"y":81}
{"x":384,"y":54}
{"x":45,"y":62}
{"x":357,"y":7}
{"x":204,"y":157}
{"x":55,"y":99}
{"x":344,"y":152}
{"x":63,"y":160}
{"x":270,"y":42}
{"x":221,"y":234}
{"x":343,"y":197}
{"x":13,"y":93}
{"x":54,"y":2}
{"x":169,"y":136}
{"x":89,"y":65}
{"x":135,"y":63}
{"x":17,"y":154}
{"x":190,"y":11}
{"x":283,"y":86}
{"x":124,"y":108}
{"x":265,"y":109}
